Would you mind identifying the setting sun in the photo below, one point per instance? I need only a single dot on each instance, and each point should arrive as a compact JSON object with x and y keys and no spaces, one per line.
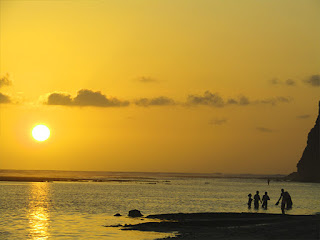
{"x":40,"y":133}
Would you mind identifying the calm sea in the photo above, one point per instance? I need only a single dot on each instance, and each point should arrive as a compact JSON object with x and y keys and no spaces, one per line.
{"x":81,"y":210}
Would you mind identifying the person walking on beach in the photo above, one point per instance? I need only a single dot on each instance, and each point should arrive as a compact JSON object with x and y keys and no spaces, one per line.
{"x":257,"y":199}
{"x":249,"y":200}
{"x":265,"y":199}
{"x":286,"y":201}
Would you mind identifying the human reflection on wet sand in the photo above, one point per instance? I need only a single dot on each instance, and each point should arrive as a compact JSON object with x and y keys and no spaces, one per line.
{"x":38,"y":213}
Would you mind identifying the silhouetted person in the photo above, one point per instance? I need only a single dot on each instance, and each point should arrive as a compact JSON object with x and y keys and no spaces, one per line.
{"x":268,"y":181}
{"x":286,"y":201}
{"x":257,"y":199}
{"x":289,"y":201}
{"x":265,"y":199}
{"x":249,"y":200}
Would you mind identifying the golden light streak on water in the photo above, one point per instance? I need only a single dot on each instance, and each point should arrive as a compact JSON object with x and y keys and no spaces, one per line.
{"x":38,"y":214}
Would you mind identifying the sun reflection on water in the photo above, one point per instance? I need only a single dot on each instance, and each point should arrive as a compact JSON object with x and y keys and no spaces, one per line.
{"x":38,"y":213}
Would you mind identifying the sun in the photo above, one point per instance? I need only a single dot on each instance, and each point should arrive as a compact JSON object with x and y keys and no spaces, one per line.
{"x":41,"y":133}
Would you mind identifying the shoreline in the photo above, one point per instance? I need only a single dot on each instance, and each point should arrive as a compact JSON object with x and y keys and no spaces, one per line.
{"x":205,"y":226}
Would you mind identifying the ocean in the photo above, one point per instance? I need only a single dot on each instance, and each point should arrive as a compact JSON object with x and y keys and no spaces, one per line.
{"x":83,"y":209}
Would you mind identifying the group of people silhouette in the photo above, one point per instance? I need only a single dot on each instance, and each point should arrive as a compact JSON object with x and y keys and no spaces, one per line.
{"x":286,"y":201}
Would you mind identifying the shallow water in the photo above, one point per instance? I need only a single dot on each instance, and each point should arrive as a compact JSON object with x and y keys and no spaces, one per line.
{"x":81,"y":210}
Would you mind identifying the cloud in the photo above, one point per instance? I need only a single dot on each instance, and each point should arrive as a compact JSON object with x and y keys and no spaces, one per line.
{"x":313,"y":80}
{"x":4,"y":98}
{"x":5,"y":81}
{"x":208,"y":99}
{"x":274,"y":101}
{"x":218,"y":121}
{"x":242,"y":100}
{"x":158,"y":101}
{"x":215,"y":100}
{"x":147,"y":80}
{"x":275,"y":81}
{"x":304,"y":116}
{"x":265,"y":130}
{"x":59,"y":99}
{"x":85,"y":97}
{"x":288,"y":82}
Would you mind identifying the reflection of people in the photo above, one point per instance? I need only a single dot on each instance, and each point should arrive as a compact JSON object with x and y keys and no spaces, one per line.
{"x":249,"y":200}
{"x":257,"y":199}
{"x":265,"y":199}
{"x":286,"y":201}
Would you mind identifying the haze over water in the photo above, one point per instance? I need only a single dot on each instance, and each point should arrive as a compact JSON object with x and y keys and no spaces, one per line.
{"x":70,"y":210}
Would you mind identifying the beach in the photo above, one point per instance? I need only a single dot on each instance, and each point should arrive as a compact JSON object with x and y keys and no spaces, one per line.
{"x":205,"y":226}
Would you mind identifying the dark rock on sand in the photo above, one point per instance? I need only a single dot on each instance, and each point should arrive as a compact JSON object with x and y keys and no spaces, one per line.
{"x":117,"y":215}
{"x":309,"y":164}
{"x":135,"y":213}
{"x":233,"y":226}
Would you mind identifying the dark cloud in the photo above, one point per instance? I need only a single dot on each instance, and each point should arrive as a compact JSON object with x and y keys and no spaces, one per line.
{"x":313,"y":80}
{"x":208,"y":98}
{"x":159,"y":101}
{"x":4,"y":98}
{"x":5,"y":81}
{"x":218,"y":121}
{"x":85,"y":97}
{"x":304,"y":116}
{"x":263,"y":129}
{"x":147,"y":80}
{"x":59,"y":99}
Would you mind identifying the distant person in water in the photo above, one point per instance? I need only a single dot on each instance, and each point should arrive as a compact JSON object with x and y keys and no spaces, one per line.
{"x":286,"y":202}
{"x":265,"y":199}
{"x":257,"y":199}
{"x":249,"y":200}
{"x":268,"y":181}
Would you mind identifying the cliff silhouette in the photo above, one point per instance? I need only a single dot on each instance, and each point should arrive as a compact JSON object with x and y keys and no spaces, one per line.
{"x":309,"y":164}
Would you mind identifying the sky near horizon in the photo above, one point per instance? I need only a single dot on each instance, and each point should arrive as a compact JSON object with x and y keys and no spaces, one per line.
{"x":167,"y":86}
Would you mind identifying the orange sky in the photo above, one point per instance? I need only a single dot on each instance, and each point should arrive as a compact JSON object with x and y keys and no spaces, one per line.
{"x":179,"y":86}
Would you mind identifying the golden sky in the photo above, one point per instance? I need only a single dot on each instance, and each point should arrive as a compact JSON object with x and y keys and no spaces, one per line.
{"x":180,"y":86}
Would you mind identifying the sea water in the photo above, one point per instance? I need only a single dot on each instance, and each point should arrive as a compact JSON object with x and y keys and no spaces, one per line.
{"x":82,"y":210}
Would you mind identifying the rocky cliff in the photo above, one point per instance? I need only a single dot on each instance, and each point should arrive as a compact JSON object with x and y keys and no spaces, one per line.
{"x":309,"y":164}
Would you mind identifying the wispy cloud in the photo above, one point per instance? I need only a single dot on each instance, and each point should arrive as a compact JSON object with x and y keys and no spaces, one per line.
{"x":85,"y":97}
{"x":274,"y":101}
{"x":313,"y":80}
{"x":147,"y":80}
{"x":215,"y":100}
{"x":304,"y":116}
{"x":218,"y":121}
{"x":158,"y":101}
{"x":289,"y":82}
{"x":265,"y":130}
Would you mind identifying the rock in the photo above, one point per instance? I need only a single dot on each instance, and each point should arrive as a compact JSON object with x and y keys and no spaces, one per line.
{"x":309,"y":164}
{"x":135,"y":213}
{"x":117,"y":215}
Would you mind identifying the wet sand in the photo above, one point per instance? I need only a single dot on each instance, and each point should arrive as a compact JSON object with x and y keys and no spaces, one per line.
{"x":205,"y":226}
